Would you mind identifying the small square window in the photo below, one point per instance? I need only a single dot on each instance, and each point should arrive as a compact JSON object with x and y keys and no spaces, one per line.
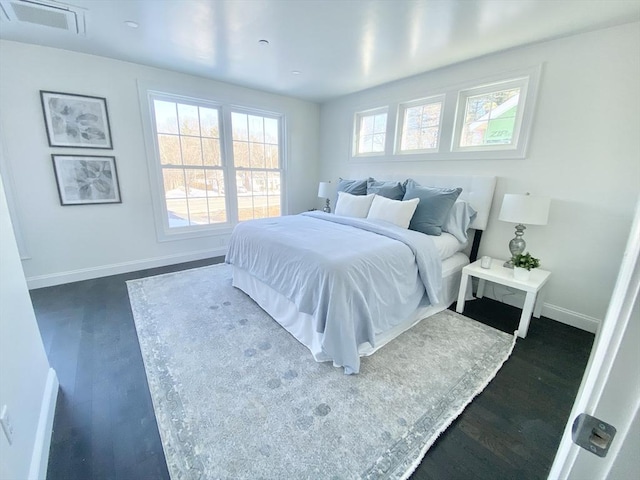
{"x":371,"y":132}
{"x":489,"y":117}
{"x":420,"y":125}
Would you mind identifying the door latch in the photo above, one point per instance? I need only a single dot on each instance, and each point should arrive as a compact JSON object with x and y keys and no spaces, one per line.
{"x":592,"y":434}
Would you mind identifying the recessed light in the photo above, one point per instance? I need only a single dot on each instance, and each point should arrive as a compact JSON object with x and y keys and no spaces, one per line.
{"x":263,"y":42}
{"x":295,"y":72}
{"x":131,"y":24}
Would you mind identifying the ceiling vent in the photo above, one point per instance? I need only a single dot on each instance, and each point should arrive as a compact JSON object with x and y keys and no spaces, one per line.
{"x":45,"y":14}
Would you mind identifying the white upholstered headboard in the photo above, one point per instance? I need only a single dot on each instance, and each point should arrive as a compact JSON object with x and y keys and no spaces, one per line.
{"x":477,"y":190}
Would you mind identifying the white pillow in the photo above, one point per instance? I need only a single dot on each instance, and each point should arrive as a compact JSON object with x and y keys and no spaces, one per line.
{"x":397,"y":212}
{"x":353,"y":205}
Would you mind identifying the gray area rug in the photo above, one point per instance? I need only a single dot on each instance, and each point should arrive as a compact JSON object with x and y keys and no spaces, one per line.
{"x":237,"y":397}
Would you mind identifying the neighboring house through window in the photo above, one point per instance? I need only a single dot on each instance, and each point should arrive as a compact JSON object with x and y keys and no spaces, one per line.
{"x":490,"y":116}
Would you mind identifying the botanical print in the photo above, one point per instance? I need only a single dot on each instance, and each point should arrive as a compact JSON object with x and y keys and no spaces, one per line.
{"x":76,"y":121}
{"x":86,"y":179}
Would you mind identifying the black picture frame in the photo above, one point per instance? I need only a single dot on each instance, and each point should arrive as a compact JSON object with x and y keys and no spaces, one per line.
{"x":76,"y":121}
{"x":86,"y":179}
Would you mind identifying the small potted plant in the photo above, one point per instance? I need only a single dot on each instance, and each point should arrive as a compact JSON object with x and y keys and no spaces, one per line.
{"x":522,"y":265}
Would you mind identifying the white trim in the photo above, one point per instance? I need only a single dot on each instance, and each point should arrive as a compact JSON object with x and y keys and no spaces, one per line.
{"x":40,"y":456}
{"x":49,"y":280}
{"x":355,"y":139}
{"x":569,"y":317}
{"x":463,"y":97}
{"x":554,"y":312}
{"x":167,"y":91}
{"x":400,"y":124}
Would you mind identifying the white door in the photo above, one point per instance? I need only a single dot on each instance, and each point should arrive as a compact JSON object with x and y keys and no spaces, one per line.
{"x":610,"y":389}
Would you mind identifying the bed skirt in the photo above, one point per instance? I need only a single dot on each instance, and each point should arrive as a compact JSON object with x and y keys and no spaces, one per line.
{"x":303,"y":326}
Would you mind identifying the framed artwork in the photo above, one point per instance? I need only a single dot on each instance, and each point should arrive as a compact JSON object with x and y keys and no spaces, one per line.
{"x":86,"y":179}
{"x":77,"y":121}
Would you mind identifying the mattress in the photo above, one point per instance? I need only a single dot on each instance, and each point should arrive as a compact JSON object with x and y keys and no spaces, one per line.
{"x":447,"y":245}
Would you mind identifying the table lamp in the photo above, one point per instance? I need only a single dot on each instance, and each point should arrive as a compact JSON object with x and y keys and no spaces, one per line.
{"x":324,"y":191}
{"x":521,"y":209}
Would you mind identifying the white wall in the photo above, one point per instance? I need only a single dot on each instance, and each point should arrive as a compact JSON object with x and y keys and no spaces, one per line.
{"x":77,"y":242}
{"x":584,"y":152}
{"x":27,"y":384}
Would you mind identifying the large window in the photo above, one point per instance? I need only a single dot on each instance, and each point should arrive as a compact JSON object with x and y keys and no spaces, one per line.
{"x":188,"y":141}
{"x":215,"y":164}
{"x":371,"y":132}
{"x":256,"y":154}
{"x":420,"y":124}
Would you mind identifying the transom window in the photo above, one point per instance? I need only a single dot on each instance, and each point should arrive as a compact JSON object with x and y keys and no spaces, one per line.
{"x":371,"y":132}
{"x":490,"y":116}
{"x":420,"y":124}
{"x":469,"y":121}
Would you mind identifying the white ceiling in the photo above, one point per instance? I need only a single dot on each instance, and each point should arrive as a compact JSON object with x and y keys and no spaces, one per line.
{"x":338,"y":46}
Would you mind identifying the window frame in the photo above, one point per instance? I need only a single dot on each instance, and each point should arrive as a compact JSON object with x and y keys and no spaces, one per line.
{"x":179,"y":99}
{"x":281,"y":147}
{"x":464,"y":95}
{"x":356,"y":131}
{"x":147,"y":93}
{"x":450,"y":123}
{"x":402,"y":108}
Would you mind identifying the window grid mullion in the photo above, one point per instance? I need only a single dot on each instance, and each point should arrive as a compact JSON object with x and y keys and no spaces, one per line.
{"x":186,"y":194}
{"x":184,"y":176}
{"x":206,"y":190}
{"x":228,"y":160}
{"x":253,"y":197}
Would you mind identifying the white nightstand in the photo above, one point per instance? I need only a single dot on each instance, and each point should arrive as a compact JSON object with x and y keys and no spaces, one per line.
{"x":504,"y":276}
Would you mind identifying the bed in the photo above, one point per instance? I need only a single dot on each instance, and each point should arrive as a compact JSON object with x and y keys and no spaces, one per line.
{"x":345,"y":286}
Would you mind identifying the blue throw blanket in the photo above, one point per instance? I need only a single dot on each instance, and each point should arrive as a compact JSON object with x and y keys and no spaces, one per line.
{"x":356,"y":277}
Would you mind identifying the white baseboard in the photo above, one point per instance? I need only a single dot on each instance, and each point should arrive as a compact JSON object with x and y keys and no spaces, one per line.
{"x":40,"y":456}
{"x":49,"y":280}
{"x":569,"y":317}
{"x":515,"y":298}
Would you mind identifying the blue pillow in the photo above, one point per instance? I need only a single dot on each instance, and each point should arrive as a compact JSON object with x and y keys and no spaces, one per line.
{"x":433,"y":209}
{"x":392,"y":190}
{"x":354,"y":187}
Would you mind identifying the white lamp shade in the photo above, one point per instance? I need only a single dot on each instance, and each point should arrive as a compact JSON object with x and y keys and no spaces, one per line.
{"x":525,"y":209}
{"x":324,"y":190}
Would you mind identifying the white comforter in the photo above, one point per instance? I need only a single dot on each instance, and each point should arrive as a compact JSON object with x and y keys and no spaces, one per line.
{"x":356,"y":277}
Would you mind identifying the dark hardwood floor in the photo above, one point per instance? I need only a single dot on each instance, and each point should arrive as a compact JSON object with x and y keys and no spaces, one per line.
{"x":105,"y":428}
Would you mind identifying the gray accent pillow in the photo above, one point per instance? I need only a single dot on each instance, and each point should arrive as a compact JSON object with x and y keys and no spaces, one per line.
{"x":354,"y":187}
{"x":433,"y":209}
{"x":392,"y":190}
